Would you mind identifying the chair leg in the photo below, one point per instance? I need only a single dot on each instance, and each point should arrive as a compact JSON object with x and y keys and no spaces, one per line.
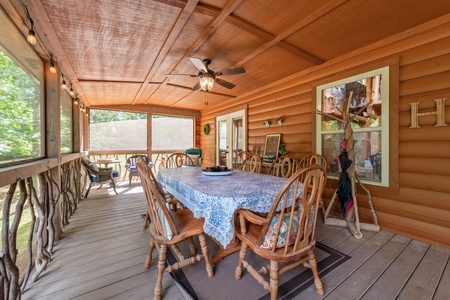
{"x":146,"y":221}
{"x":114,"y":186}
{"x":317,"y":281}
{"x":242,"y":253}
{"x":161,"y":267}
{"x":209,"y":267}
{"x":273,"y":280}
{"x":192,"y":247}
{"x":148,"y":259}
{"x":87,"y":192}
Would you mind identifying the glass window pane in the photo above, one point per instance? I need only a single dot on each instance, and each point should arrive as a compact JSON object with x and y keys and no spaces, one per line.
{"x":172,"y":133}
{"x":117,"y":130}
{"x":20,"y":112}
{"x":365,"y":104}
{"x":66,"y":122}
{"x":367,"y":147}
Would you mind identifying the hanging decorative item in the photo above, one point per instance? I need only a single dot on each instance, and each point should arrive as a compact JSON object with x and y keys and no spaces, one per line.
{"x":267,"y":122}
{"x":206,"y":129}
{"x":281,"y":119}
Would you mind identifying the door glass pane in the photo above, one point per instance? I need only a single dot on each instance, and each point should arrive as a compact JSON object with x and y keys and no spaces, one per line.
{"x":238,"y":139}
{"x":222,"y":142}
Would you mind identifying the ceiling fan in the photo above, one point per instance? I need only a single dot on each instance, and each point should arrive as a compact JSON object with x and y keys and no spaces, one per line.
{"x":207,"y":77}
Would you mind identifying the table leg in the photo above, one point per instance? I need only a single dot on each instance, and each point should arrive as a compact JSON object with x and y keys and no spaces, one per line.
{"x":232,"y":247}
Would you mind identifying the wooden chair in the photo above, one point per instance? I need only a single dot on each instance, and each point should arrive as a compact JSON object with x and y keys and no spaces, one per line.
{"x":169,"y":229}
{"x":173,"y":202}
{"x":284,"y":166}
{"x":239,"y":159}
{"x":178,"y":160}
{"x":285,"y":237}
{"x":315,"y":159}
{"x":196,"y":155}
{"x":98,"y":175}
{"x":252,"y":163}
{"x":130,"y":165}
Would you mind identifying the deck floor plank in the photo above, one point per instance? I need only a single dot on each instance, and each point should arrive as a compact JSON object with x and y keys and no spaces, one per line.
{"x":425,"y":280}
{"x":389,"y":285}
{"x":102,"y":252}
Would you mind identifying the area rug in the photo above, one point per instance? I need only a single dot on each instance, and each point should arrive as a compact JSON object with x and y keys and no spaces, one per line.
{"x":195,"y":283}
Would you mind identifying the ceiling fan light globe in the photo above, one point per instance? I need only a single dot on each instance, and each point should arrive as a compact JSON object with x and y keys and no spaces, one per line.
{"x":206,"y":82}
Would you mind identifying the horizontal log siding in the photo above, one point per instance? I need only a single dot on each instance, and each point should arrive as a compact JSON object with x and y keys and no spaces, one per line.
{"x":420,"y":208}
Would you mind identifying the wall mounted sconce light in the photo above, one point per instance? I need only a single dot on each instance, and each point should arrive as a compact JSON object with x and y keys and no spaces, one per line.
{"x":267,"y":122}
{"x":281,"y":119}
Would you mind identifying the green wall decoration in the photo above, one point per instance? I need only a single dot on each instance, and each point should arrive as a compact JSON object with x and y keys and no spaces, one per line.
{"x":206,"y":129}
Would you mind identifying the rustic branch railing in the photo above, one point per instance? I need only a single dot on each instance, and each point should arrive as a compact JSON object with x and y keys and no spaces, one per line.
{"x":52,"y":199}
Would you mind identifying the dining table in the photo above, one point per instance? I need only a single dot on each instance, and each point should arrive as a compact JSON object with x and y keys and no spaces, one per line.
{"x":216,"y":197}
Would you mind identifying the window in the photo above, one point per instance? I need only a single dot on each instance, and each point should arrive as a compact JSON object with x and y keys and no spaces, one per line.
{"x":369,"y":108}
{"x":172,"y":133}
{"x":21,"y":97}
{"x":117,"y":130}
{"x":66,"y":122}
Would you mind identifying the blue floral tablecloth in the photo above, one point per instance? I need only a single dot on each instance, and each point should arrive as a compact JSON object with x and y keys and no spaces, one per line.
{"x":216,"y":198}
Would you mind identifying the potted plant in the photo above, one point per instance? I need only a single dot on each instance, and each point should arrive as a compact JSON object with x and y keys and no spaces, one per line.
{"x":282,"y":151}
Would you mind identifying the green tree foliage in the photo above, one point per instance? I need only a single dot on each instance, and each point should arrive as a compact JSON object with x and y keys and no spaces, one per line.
{"x":20,"y":115}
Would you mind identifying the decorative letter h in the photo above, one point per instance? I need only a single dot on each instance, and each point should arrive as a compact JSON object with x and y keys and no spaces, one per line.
{"x":440,"y":113}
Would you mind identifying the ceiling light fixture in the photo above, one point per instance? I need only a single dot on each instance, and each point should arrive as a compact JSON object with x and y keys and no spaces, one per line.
{"x":206,"y":81}
{"x":63,"y":83}
{"x":31,"y":38}
{"x":71,"y":92}
{"x":52,"y":65}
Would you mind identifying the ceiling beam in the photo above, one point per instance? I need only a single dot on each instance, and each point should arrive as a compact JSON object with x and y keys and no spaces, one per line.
{"x":174,"y":32}
{"x":229,"y":7}
{"x":271,"y":41}
{"x":54,"y":46}
{"x":329,"y":6}
{"x":154,"y":109}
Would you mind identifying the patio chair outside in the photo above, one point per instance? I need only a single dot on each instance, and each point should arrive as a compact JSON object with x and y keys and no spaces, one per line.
{"x":287,"y":237}
{"x":130,"y":165}
{"x":99,"y":175}
{"x":196,"y":155}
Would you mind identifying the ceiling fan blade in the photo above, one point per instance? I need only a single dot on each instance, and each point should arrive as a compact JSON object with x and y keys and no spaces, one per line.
{"x":232,"y":71}
{"x":225,"y":83}
{"x":190,"y":75}
{"x":199,"y":64}
{"x":196,"y":87}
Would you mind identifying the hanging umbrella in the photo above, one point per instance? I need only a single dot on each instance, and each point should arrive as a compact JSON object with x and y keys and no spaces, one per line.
{"x":344,"y":190}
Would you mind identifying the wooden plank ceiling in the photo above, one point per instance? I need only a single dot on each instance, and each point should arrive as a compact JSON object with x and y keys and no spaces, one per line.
{"x":117,"y":51}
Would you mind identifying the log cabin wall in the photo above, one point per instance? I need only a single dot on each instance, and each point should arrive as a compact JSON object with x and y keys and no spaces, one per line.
{"x":418,"y":205}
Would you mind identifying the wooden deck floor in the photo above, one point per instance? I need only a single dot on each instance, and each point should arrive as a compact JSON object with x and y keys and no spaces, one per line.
{"x":102,"y":253}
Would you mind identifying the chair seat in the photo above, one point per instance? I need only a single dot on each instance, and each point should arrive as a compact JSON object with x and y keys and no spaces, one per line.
{"x":115,"y":174}
{"x":251,"y":238}
{"x":186,"y":225}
